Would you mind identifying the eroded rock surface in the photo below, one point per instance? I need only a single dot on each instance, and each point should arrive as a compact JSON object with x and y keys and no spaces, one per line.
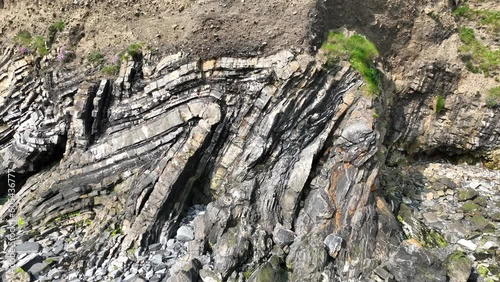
{"x":130,"y":155}
{"x":271,"y":166}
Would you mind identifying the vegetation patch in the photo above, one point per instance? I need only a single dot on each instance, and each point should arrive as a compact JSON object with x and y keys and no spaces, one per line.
{"x":67,"y":216}
{"x":476,"y":56}
{"x":482,"y":270}
{"x":469,"y":206}
{"x":54,"y":29}
{"x":438,"y":104}
{"x":110,"y":70}
{"x":493,"y":97}
{"x":488,"y":18}
{"x":116,"y":231}
{"x":40,"y":45}
{"x":133,"y":51}
{"x":359,"y":51}
{"x":95,"y":57}
{"x":23,"y":38}
{"x":434,"y":239}
{"x":20,"y":222}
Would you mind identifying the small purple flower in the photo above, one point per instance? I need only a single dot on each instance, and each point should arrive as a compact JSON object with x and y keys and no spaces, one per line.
{"x":63,"y":54}
{"x":22,"y":50}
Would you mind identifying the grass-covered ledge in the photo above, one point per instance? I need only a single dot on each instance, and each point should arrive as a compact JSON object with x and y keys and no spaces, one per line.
{"x":359,"y":51}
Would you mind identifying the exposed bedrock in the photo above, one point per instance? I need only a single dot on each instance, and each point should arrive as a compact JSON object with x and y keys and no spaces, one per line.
{"x":274,"y":167}
{"x":274,"y":146}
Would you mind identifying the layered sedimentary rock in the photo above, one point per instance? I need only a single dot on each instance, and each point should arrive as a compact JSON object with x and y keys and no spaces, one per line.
{"x":274,"y":145}
{"x":269,"y":167}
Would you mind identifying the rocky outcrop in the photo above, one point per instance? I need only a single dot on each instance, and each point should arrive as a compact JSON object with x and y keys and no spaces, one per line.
{"x":268,"y":144}
{"x":259,"y":166}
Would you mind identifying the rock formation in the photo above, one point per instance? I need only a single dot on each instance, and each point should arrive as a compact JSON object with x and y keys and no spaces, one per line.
{"x":203,"y":165}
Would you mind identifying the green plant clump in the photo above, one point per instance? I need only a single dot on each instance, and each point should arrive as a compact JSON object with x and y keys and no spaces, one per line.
{"x":439,"y":104}
{"x":493,"y":97}
{"x":20,"y":222}
{"x":57,"y":26}
{"x":481,"y":58}
{"x":39,"y":45}
{"x":54,"y":29}
{"x":110,"y":70}
{"x":359,"y":51}
{"x":95,"y":57}
{"x":116,"y":231}
{"x":434,"y":239}
{"x":469,"y":206}
{"x":482,"y":270}
{"x":132,"y":51}
{"x":23,"y":38}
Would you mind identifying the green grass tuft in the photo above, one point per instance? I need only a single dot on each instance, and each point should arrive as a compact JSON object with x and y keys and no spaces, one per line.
{"x":438,"y":104}
{"x":110,"y":70}
{"x":57,"y":26}
{"x":20,"y":222}
{"x":359,"y":51}
{"x":493,"y":97}
{"x":116,"y":231}
{"x":23,"y":38}
{"x":95,"y":57}
{"x":40,"y":46}
{"x":53,"y":30}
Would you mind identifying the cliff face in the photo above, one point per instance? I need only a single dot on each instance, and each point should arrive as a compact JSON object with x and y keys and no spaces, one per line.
{"x":266,"y":164}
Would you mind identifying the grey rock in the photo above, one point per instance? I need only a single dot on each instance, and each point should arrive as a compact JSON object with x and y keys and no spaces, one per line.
{"x":157,"y":259}
{"x":28,"y":261}
{"x":154,"y":247}
{"x":185,"y":233}
{"x":89,"y":272}
{"x":467,"y":244}
{"x":333,"y":244}
{"x":134,"y":278}
{"x":38,"y":269}
{"x":459,"y":267}
{"x":283,"y":237}
{"x":28,"y":247}
{"x":209,"y":276}
{"x":430,"y":217}
{"x":73,"y":275}
{"x":413,"y":263}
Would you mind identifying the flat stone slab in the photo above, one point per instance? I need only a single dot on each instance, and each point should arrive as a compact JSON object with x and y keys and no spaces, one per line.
{"x":28,"y":247}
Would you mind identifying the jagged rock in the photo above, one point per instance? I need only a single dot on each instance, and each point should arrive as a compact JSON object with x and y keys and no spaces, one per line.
{"x":209,"y":276}
{"x":38,"y":268}
{"x":467,"y":244}
{"x":265,"y":139}
{"x":458,"y":267}
{"x":283,"y":237}
{"x":28,"y":261}
{"x":189,"y":272}
{"x":268,"y":272}
{"x":333,"y":243}
{"x":134,"y":278}
{"x":413,"y":263}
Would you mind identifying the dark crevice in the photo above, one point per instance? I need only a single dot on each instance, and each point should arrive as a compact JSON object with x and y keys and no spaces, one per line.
{"x":189,"y":183}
